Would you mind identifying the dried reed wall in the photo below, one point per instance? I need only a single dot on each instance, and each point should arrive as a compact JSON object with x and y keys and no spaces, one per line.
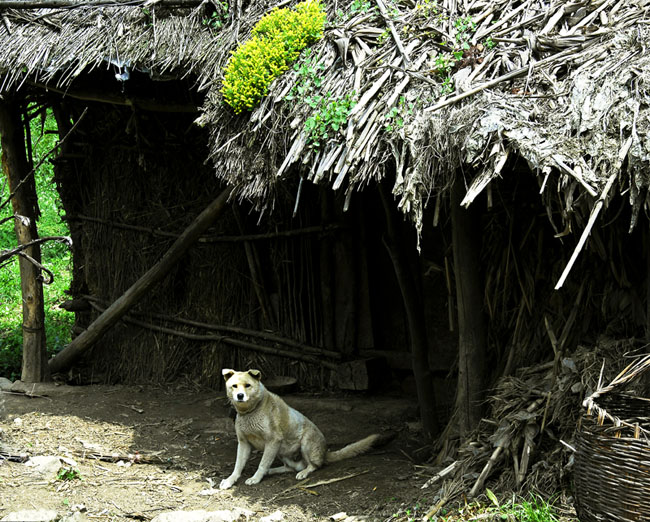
{"x":147,"y":171}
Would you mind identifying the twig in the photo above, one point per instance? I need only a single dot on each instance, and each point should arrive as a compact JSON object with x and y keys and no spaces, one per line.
{"x":594,"y":212}
{"x":333,"y":480}
{"x":40,"y":267}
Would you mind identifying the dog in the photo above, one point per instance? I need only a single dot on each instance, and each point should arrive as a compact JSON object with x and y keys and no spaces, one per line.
{"x":267,"y":423}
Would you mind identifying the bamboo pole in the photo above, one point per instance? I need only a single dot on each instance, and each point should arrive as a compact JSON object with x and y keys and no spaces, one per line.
{"x":139,"y":289}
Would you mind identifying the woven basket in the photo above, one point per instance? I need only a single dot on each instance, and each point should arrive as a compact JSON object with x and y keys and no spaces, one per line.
{"x":612,"y":464}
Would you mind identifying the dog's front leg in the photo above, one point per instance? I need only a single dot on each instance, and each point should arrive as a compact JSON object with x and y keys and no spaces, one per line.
{"x":243,"y":452}
{"x":270,"y":452}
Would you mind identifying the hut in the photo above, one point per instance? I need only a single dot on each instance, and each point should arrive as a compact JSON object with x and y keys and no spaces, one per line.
{"x":439,"y":187}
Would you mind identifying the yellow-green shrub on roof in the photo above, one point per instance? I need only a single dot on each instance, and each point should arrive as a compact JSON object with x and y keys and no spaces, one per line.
{"x":278,"y":38}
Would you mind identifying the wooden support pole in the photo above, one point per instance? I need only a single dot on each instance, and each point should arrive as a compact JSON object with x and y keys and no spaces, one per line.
{"x":140,"y":288}
{"x":25,"y":208}
{"x":415,"y":317}
{"x":472,"y":338}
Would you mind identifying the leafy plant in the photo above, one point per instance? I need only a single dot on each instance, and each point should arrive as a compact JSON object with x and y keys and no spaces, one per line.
{"x":328,"y":118}
{"x":68,"y":474}
{"x":396,"y":115}
{"x":534,"y":510}
{"x":309,"y":76}
{"x":218,"y":16}
{"x":360,"y":6}
{"x":278,"y":38}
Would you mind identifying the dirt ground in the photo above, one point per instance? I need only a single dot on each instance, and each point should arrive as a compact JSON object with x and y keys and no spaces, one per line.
{"x":185,"y":441}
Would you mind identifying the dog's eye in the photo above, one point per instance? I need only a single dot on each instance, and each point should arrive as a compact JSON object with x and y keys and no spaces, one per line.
{"x":247,"y":385}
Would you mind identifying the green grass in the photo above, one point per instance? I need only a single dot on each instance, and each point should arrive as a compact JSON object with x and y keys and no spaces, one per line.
{"x":529,"y":508}
{"x":56,"y":257}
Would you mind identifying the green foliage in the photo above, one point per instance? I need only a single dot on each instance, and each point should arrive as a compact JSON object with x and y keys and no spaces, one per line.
{"x":446,"y":61}
{"x":356,"y":7}
{"x":328,"y":118}
{"x":396,"y":115}
{"x":534,"y":510}
{"x":68,"y":474}
{"x":360,"y":6}
{"x":465,"y":28}
{"x":55,"y":256}
{"x":278,"y":38}
{"x":218,"y":17}
{"x":309,"y":76}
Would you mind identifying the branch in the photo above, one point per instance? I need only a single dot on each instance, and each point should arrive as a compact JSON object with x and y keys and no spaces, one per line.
{"x":280,"y":352}
{"x":40,"y":267}
{"x":6,"y":254}
{"x":61,"y":142}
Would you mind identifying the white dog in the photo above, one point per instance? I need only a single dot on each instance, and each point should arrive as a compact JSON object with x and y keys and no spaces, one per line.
{"x":267,"y":423}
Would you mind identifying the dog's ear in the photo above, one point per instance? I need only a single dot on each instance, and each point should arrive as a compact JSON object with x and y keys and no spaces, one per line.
{"x":227,"y":373}
{"x":255,"y":374}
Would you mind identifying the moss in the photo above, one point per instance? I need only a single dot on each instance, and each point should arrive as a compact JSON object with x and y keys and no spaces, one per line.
{"x":277,"y":40}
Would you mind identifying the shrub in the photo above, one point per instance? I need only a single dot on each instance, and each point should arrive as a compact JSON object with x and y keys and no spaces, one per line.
{"x":277,"y":40}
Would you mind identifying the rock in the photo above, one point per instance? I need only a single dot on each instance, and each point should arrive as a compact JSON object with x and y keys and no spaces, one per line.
{"x":276,"y":516}
{"x":18,"y":387}
{"x":224,"y":515}
{"x":5,"y":384}
{"x":77,"y":516}
{"x":31,"y":515}
{"x":47,"y":466}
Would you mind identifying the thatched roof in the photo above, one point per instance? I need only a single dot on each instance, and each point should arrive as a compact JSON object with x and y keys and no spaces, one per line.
{"x":561,"y":84}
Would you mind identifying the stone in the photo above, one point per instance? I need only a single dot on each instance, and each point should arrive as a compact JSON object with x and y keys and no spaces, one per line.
{"x":5,"y":384}
{"x":31,"y":515}
{"x":47,"y":466}
{"x":201,"y":515}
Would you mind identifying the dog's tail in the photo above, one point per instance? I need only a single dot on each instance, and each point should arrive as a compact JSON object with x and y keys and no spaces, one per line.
{"x":354,"y":449}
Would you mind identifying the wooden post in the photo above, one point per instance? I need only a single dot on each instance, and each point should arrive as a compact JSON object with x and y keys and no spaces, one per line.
{"x":415,"y":317}
{"x":472,"y":342}
{"x":25,"y":208}
{"x":138,"y":289}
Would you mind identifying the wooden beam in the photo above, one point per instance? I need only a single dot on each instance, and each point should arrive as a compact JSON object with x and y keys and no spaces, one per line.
{"x":139,"y":289}
{"x":66,"y":4}
{"x":146,"y":104}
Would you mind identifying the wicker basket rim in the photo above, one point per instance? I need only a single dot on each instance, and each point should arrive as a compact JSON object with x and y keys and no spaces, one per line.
{"x":628,"y":374}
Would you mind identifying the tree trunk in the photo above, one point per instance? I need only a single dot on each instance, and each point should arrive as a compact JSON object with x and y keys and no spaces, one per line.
{"x":140,"y":288}
{"x":25,"y":208}
{"x":415,"y":317}
{"x":472,"y":342}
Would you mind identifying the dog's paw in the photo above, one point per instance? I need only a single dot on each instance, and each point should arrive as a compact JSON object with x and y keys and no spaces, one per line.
{"x":253,"y":480}
{"x":226,"y":483}
{"x":303,"y":474}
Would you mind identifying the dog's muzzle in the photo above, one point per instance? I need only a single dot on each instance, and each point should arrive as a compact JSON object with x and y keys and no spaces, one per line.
{"x":240,"y":397}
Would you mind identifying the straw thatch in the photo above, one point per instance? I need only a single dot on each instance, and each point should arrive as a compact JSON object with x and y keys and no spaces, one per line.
{"x":560,"y":84}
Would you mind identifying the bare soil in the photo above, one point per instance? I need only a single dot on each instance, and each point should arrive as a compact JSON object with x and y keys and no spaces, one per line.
{"x":174,"y":445}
